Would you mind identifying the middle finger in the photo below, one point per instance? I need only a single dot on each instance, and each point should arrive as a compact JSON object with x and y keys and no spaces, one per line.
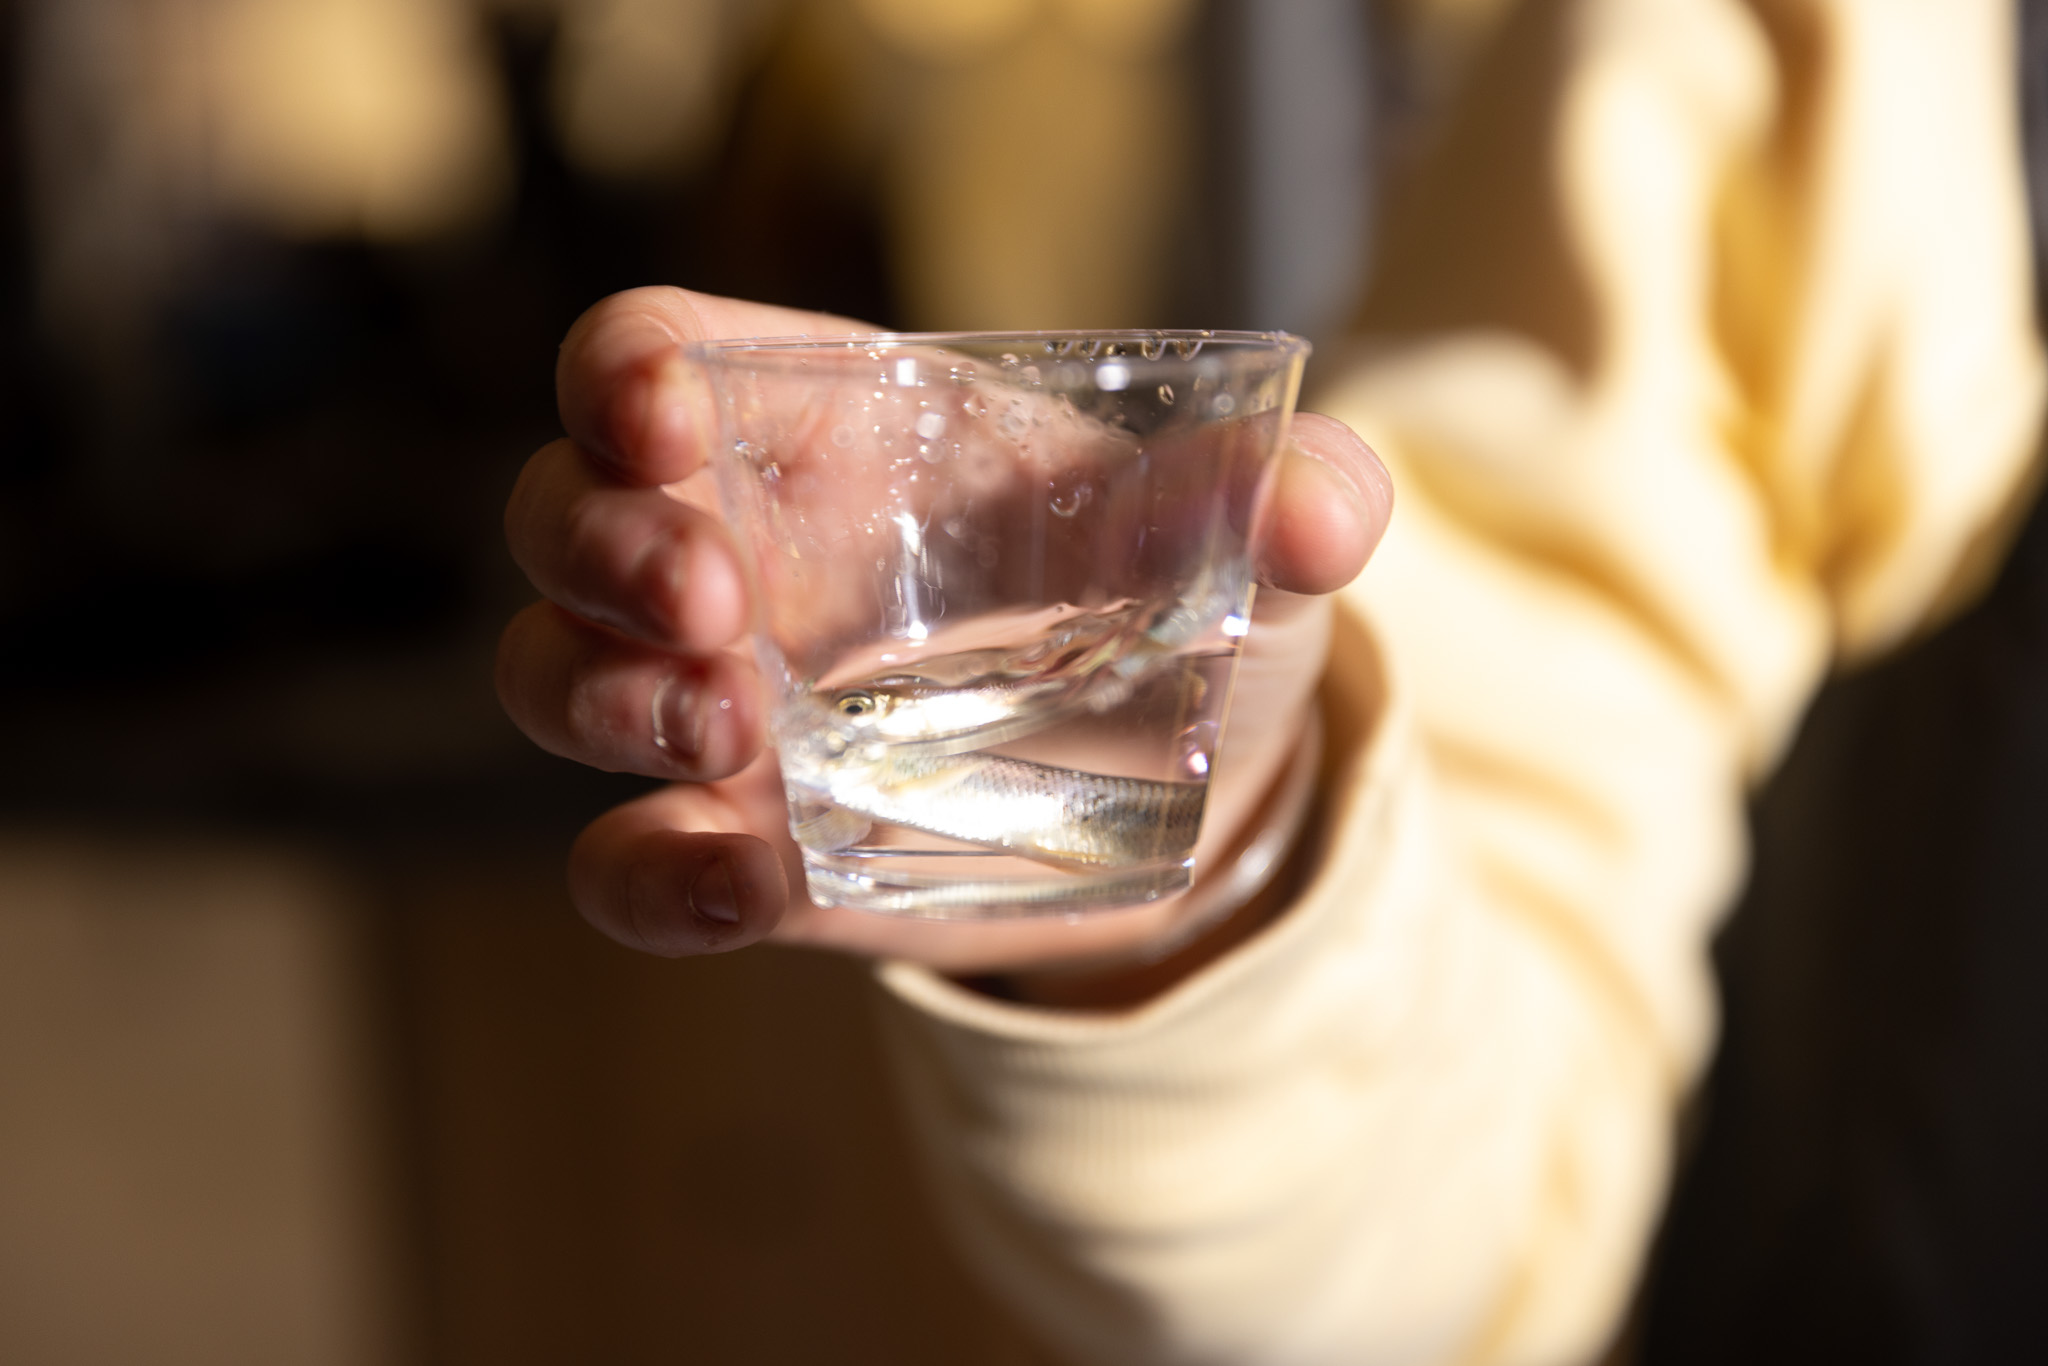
{"x":639,"y":560}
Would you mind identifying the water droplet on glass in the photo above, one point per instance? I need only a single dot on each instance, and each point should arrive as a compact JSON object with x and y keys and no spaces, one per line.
{"x":1195,"y":745}
{"x":1166,"y":394}
{"x":842,"y":436}
{"x":1224,"y":405}
{"x":964,"y":374}
{"x":1030,"y":373}
{"x":930,"y":425}
{"x":1009,"y":361}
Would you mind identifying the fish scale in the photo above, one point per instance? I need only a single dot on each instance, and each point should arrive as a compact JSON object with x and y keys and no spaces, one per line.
{"x":1059,"y":815}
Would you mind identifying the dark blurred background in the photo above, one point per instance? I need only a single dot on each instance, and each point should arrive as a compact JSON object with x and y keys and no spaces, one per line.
{"x":303,"y":1055}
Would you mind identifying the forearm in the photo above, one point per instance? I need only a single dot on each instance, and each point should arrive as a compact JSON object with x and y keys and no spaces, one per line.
{"x":1396,"y":1121}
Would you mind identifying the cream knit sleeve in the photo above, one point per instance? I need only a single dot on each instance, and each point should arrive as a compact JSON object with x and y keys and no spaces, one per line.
{"x":1702,"y":357}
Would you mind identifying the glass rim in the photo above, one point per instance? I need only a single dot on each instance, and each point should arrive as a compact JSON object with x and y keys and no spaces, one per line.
{"x":1278,"y":344}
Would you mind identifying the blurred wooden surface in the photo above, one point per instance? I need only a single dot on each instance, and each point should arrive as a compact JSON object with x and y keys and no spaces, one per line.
{"x":634,"y":1160}
{"x":189,"y":1159}
{"x":255,"y":1111}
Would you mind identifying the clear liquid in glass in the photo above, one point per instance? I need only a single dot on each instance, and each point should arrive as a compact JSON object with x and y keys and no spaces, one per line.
{"x":1051,"y":759}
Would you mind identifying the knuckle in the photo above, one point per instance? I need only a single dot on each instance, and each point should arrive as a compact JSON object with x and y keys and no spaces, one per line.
{"x":512,"y":671}
{"x":601,"y":712}
{"x":598,"y":551}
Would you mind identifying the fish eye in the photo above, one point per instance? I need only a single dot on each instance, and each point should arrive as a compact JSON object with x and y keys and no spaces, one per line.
{"x":854,"y":703}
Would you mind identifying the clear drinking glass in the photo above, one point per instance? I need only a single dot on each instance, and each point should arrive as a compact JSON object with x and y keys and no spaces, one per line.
{"x":1000,"y":583}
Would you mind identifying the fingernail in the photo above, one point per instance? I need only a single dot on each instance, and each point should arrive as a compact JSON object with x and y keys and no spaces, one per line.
{"x":662,"y":575}
{"x":624,"y":424}
{"x":711,"y":895}
{"x":663,"y":416}
{"x":679,"y":722}
{"x":1336,"y":480}
{"x":1353,"y":462}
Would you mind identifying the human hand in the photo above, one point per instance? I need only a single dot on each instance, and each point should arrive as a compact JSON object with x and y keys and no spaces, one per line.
{"x":636,"y":661}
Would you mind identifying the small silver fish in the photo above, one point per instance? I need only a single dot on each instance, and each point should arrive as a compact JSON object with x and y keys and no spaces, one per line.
{"x":1007,"y":699}
{"x":1055,"y":815}
{"x":977,"y":900}
{"x":913,"y":711}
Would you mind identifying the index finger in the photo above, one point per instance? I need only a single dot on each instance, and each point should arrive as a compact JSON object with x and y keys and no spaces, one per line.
{"x":619,"y":382}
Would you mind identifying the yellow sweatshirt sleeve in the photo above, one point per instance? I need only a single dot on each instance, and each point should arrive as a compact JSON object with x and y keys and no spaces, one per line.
{"x":1703,"y":357}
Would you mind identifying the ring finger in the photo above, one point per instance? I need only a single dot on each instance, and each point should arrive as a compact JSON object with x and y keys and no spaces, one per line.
{"x":592,"y":695}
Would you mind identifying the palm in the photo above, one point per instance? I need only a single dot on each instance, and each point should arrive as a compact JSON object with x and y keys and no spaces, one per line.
{"x":634,"y":659}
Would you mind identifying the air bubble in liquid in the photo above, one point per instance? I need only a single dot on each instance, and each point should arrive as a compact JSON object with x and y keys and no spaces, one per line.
{"x":842,"y":436}
{"x":1224,"y":405}
{"x":1166,"y":393}
{"x":930,"y":425}
{"x":956,"y":527}
{"x":1066,"y":504}
{"x":1009,"y":361}
{"x":963,"y":374}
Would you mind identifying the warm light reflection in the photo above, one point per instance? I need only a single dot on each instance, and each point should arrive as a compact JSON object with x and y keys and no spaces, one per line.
{"x":336,"y":117}
{"x":1036,"y":167}
{"x":636,"y":82}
